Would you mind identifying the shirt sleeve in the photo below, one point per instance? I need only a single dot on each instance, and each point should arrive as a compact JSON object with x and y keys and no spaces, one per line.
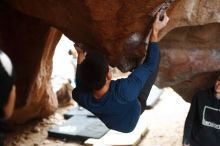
{"x":130,"y":87}
{"x":190,"y":119}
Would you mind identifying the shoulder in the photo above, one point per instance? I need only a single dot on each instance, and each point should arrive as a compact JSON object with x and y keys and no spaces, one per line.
{"x":77,"y":91}
{"x":207,"y":91}
{"x":204,"y":93}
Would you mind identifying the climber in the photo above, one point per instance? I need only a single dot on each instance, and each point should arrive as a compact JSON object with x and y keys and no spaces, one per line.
{"x":7,"y":89}
{"x":118,"y":104}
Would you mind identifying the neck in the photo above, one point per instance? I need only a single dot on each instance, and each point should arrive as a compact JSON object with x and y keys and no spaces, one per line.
{"x":217,"y":95}
{"x":98,"y":94}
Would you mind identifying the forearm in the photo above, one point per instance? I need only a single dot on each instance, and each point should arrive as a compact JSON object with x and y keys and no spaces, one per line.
{"x":152,"y":59}
{"x":154,"y":36}
{"x":142,"y":73}
{"x":151,"y":37}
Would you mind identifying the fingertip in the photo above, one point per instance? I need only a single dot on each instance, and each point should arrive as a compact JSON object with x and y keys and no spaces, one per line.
{"x":158,"y":14}
{"x":167,"y":18}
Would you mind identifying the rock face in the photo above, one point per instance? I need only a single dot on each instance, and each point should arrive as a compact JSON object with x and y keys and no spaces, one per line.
{"x":191,"y":47}
{"x":189,"y":44}
{"x":30,"y":43}
{"x":116,"y":28}
{"x":190,"y":58}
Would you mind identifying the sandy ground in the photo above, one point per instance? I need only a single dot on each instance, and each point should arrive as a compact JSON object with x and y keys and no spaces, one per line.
{"x":165,"y":123}
{"x":166,"y":120}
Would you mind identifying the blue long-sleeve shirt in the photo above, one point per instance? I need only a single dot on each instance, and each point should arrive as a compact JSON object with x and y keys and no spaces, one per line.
{"x":119,"y":108}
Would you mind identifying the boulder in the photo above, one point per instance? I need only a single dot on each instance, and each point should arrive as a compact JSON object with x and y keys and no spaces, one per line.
{"x":190,"y":47}
{"x":30,"y":31}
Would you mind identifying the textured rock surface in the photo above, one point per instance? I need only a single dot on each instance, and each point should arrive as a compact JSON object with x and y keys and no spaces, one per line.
{"x":190,"y":58}
{"x":27,"y":41}
{"x":193,"y":13}
{"x":191,"y":49}
{"x":115,"y":27}
{"x":190,"y":43}
{"x":41,"y":101}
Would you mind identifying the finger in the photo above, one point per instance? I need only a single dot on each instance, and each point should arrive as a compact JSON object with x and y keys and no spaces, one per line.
{"x":165,"y":14}
{"x":167,"y":19}
{"x":158,"y":16}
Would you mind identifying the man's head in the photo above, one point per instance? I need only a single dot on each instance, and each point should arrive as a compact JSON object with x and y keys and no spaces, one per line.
{"x":94,"y":71}
{"x":7,"y":88}
{"x":217,"y":85}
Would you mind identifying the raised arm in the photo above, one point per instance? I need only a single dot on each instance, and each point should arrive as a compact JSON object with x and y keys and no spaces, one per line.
{"x":152,"y":59}
{"x":139,"y":76}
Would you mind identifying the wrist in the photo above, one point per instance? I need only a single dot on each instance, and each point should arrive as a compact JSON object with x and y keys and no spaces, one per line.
{"x":154,"y":36}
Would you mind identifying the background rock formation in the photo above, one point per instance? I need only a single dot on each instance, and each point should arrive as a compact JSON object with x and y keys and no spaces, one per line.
{"x":30,"y":44}
{"x":189,"y":45}
{"x":190,"y":59}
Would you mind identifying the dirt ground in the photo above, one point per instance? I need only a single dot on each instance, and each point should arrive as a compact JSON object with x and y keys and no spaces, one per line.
{"x":165,"y":122}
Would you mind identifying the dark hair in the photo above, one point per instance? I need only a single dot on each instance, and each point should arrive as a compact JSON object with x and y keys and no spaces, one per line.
{"x":93,"y":71}
{"x":6,"y":83}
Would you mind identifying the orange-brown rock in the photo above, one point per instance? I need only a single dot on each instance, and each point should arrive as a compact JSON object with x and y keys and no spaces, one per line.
{"x":115,"y":27}
{"x":191,"y":47}
{"x":27,"y":41}
{"x":190,"y":58}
